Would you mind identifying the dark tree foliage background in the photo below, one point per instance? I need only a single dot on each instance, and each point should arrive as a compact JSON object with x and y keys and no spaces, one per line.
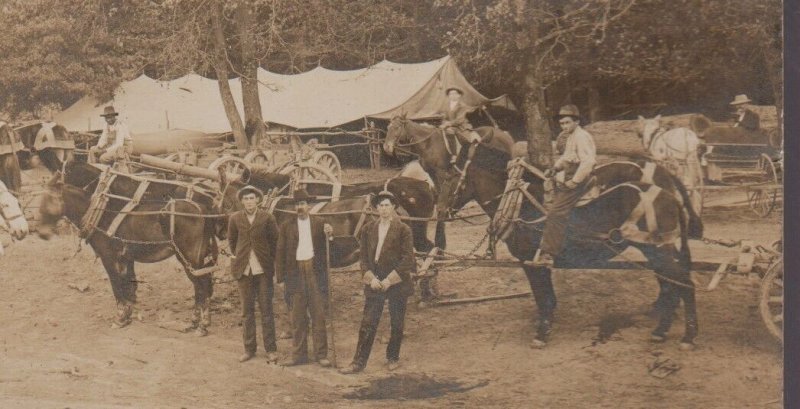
{"x":611,"y":57}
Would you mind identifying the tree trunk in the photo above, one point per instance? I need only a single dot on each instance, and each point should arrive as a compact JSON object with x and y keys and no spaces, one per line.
{"x":773,"y":61}
{"x":540,"y":150}
{"x":221,"y":69}
{"x":251,"y":102}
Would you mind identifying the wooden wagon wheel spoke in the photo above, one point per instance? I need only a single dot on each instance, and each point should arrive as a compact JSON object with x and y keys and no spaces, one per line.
{"x":771,"y":303}
{"x":232,"y":164}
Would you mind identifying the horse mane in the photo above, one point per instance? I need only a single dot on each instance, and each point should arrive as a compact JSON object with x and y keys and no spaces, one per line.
{"x":262,"y":178}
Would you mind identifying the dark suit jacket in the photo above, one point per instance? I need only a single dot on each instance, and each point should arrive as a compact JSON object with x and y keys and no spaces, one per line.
{"x":286,"y":255}
{"x":397,"y":254}
{"x":750,"y":121}
{"x":260,"y":237}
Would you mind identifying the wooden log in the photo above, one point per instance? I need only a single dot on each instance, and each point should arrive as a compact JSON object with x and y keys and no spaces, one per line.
{"x":481,"y":299}
{"x":184,"y":169}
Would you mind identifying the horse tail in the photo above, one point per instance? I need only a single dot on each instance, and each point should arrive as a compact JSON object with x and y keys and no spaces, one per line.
{"x":695,"y":228}
{"x":685,"y":255}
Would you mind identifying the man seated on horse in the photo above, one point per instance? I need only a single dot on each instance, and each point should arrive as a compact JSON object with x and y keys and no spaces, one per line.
{"x":115,"y":141}
{"x":745,"y":117}
{"x":454,"y":121}
{"x":575,"y":165}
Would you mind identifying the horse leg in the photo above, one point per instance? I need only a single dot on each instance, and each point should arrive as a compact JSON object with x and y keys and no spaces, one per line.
{"x":663,"y":263}
{"x":687,"y":294}
{"x":203,"y":288}
{"x":543,"y":293}
{"x":120,"y":288}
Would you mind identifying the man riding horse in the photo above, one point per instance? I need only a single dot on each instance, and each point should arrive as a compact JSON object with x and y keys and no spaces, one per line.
{"x":572,"y":172}
{"x":455,"y":123}
{"x":115,"y":141}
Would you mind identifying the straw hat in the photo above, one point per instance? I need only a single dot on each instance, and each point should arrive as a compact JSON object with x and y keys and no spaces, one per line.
{"x":740,"y":99}
{"x":109,"y":111}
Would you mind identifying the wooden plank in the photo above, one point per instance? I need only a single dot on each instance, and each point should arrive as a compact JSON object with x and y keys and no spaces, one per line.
{"x":470,"y":300}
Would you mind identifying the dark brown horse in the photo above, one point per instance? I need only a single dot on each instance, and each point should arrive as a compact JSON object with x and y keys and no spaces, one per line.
{"x":10,"y":145}
{"x":164,"y":224}
{"x":429,"y":144}
{"x":590,"y":243}
{"x":50,"y":141}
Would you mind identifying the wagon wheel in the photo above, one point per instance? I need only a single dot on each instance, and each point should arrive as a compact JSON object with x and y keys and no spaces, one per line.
{"x":771,"y":304}
{"x":307,"y":171}
{"x":232,"y":164}
{"x":762,"y":199}
{"x":257,"y":157}
{"x":328,"y":160}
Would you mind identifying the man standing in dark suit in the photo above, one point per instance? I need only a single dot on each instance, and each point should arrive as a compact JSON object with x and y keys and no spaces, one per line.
{"x":252,"y":234}
{"x":387,"y":259}
{"x":301,"y":264}
{"x":745,"y":117}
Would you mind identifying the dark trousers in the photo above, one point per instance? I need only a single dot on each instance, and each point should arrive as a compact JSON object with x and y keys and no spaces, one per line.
{"x":555,"y":227}
{"x":308,"y":300}
{"x":259,"y":289}
{"x":373,"y":308}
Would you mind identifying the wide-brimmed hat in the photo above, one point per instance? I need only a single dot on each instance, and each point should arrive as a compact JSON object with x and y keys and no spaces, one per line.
{"x":740,"y":99}
{"x":300,"y":195}
{"x":250,"y":189}
{"x":109,"y":111}
{"x":569,"y":110}
{"x":385,"y":194}
{"x":456,"y":89}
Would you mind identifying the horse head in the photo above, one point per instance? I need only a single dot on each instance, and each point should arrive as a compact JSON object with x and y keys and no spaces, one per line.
{"x":396,"y":133}
{"x":51,"y":208}
{"x":647,"y":129}
{"x":13,"y":217}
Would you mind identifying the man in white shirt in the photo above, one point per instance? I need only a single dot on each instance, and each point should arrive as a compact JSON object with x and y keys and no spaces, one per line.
{"x":115,"y":141}
{"x":301,"y":264}
{"x":387,"y":259}
{"x":572,"y":172}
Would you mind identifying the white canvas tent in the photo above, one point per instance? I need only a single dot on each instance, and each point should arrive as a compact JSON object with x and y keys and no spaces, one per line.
{"x":320,"y":98}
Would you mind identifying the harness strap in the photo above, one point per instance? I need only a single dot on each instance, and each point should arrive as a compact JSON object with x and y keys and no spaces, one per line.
{"x":317,"y":207}
{"x":630,"y":229}
{"x":362,"y":218}
{"x":337,"y":191}
{"x":97,"y":205}
{"x":648,"y":172}
{"x":134,"y":201}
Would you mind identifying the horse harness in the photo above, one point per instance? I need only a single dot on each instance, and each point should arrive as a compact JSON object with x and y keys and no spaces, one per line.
{"x":507,"y":214}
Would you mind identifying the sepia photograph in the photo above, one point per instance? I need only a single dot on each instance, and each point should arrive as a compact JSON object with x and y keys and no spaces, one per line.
{"x":393,"y":203}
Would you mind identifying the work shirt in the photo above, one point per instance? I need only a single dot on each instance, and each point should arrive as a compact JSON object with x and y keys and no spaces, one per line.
{"x":579,"y":154}
{"x":253,"y":266}
{"x":383,"y":227}
{"x":115,"y":135}
{"x":305,"y":245}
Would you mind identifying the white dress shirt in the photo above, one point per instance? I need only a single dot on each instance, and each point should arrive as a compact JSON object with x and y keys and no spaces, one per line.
{"x":383,"y":227}
{"x":253,"y":266}
{"x":305,"y":244}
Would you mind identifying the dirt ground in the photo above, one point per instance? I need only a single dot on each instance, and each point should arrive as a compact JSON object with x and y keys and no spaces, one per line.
{"x":58,"y":349}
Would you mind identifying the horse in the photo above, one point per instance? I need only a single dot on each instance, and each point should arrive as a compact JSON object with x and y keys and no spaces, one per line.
{"x":594,"y":236}
{"x":10,"y":173}
{"x":170,"y":219}
{"x":675,"y":148}
{"x":50,"y":141}
{"x":13,"y":220}
{"x":431,"y":146}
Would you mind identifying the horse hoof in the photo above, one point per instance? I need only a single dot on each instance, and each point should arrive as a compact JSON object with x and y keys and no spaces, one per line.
{"x":120,"y":324}
{"x":687,"y":346}
{"x":538,"y":344}
{"x":200,"y":332}
{"x":657,"y":338}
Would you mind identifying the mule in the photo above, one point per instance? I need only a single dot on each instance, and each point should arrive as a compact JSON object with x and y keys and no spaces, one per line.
{"x":429,"y":144}
{"x":10,"y":145}
{"x":678,"y":150}
{"x":165,"y":223}
{"x":50,"y":141}
{"x":13,"y":219}
{"x":590,"y":241}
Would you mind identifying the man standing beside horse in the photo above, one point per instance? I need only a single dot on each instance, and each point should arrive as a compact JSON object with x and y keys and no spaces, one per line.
{"x":575,"y":165}
{"x":301,"y":264}
{"x":115,"y":141}
{"x":387,"y":259}
{"x":252,"y":235}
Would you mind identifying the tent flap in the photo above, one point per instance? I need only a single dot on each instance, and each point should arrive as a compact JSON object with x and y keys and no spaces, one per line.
{"x":319,"y":98}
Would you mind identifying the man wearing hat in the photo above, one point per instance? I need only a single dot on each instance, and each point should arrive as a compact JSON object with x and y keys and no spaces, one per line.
{"x":745,"y":117}
{"x":454,"y":118}
{"x":301,"y":264}
{"x":114,"y":141}
{"x":252,"y":234}
{"x":387,"y":259}
{"x":572,"y":172}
